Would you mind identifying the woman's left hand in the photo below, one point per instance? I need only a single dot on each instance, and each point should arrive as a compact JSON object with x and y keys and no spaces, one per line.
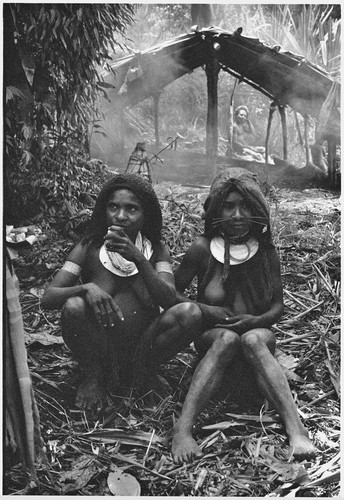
{"x":116,"y":240}
{"x":240,"y":323}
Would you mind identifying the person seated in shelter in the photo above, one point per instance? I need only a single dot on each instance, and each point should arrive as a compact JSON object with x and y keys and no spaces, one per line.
{"x":245,"y":136}
{"x":126,"y":277}
{"x":240,"y":297}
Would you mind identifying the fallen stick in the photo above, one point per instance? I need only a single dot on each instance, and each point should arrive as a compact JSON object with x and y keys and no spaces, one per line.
{"x":296,"y":337}
{"x":294,"y":298}
{"x":123,"y":458}
{"x":302,"y":314}
{"x":191,"y":464}
{"x":320,"y":398}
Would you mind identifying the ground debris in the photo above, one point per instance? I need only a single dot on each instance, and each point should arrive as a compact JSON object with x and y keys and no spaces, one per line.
{"x":244,"y":448}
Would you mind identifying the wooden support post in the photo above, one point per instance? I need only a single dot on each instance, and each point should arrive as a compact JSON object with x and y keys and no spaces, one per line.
{"x":231,"y":119}
{"x":271,"y":112}
{"x":156,"y":98}
{"x":298,"y":128}
{"x":283,"y":116}
{"x":331,"y":162}
{"x":212,"y":70}
{"x":306,"y":119}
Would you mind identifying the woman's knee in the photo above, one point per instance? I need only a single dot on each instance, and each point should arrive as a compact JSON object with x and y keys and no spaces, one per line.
{"x":78,"y":326}
{"x":225,"y":343}
{"x":255,"y":340}
{"x":186,"y":315}
{"x":74,"y":309}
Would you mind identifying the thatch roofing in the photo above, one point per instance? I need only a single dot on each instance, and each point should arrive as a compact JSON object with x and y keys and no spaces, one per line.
{"x":285,"y":78}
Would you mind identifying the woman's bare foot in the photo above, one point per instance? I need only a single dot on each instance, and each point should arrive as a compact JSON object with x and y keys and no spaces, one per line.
{"x":90,"y":395}
{"x":301,"y":447}
{"x":184,"y":448}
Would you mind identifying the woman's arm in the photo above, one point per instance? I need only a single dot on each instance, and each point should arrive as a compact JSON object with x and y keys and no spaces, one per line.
{"x":251,"y":128}
{"x":194,"y":260}
{"x":159,"y":284}
{"x":64,"y":285}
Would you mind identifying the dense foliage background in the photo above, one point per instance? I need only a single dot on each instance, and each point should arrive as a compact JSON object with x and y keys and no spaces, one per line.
{"x":52,"y":57}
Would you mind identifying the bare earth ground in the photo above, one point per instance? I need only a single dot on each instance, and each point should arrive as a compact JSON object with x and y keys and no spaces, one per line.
{"x":245,"y":450}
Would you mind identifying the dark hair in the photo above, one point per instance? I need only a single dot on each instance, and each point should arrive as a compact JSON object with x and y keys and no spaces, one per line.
{"x":152,"y":224}
{"x":237,"y":179}
{"x":241,"y":108}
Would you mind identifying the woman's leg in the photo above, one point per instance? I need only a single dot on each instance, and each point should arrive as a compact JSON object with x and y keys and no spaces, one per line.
{"x":222,"y":346}
{"x":258,"y":347}
{"x":171,"y":332}
{"x":177,"y":328}
{"x":87,"y":340}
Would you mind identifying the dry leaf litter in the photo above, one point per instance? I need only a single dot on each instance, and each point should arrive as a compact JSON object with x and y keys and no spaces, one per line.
{"x":126,"y":451}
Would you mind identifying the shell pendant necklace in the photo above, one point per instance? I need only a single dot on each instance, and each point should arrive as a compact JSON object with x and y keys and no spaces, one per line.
{"x":241,"y":248}
{"x":237,"y":247}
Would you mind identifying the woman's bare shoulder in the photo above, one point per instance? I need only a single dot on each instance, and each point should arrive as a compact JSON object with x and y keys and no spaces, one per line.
{"x":161,"y":252}
{"x":200,"y":246}
{"x":197,"y":253}
{"x":79,"y":253}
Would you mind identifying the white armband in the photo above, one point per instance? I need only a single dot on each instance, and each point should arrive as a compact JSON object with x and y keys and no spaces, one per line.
{"x":71,"y":267}
{"x":163,"y":267}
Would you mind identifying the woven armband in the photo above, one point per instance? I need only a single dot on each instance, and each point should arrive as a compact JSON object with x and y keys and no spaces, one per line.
{"x":163,"y":267}
{"x":71,"y":267}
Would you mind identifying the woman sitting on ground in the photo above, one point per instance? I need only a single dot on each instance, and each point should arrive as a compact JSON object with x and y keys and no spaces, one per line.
{"x":240,"y":297}
{"x":126,"y":276}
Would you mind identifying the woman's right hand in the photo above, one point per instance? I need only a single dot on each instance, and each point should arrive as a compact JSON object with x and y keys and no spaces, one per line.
{"x":214,"y":315}
{"x":104,"y":307}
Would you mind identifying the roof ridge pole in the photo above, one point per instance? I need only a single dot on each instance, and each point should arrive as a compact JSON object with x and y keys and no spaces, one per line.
{"x":271,"y":112}
{"x":283,"y":116}
{"x":212,"y":69}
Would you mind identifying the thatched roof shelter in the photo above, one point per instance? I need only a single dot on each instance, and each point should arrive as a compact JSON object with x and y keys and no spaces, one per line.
{"x":285,"y":78}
